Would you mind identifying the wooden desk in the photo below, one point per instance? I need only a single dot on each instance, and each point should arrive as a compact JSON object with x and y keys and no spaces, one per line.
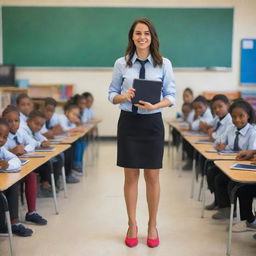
{"x":8,"y":179}
{"x":241,"y":177}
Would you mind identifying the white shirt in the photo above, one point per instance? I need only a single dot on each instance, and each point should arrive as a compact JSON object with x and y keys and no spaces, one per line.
{"x":37,"y":137}
{"x":224,"y":125}
{"x":205,"y":117}
{"x":246,"y":139}
{"x":52,"y":122}
{"x":65,"y":124}
{"x":22,"y":137}
{"x":23,"y":119}
{"x":13,"y":161}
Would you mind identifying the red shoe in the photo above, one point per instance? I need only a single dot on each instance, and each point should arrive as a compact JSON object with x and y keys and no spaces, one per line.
{"x":153,"y":242}
{"x":132,"y":242}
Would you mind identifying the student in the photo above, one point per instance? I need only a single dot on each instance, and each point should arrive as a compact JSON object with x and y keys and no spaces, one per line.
{"x":51,"y":126}
{"x":35,"y":122}
{"x":80,"y":144}
{"x":215,"y":128}
{"x":10,"y":163}
{"x":186,"y":108}
{"x":25,"y":106}
{"x":202,"y":112}
{"x":187,"y":112}
{"x":88,"y":111}
{"x":246,"y":194}
{"x":70,"y":122}
{"x":240,"y":136}
{"x":18,"y":143}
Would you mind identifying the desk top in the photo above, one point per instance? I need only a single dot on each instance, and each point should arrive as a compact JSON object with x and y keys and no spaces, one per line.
{"x":236,"y":175}
{"x":8,"y":179}
{"x":178,"y":124}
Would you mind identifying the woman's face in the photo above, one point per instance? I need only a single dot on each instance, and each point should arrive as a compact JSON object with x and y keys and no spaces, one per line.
{"x":141,"y":36}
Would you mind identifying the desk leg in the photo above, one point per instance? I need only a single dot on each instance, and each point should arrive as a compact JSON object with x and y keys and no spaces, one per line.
{"x":8,"y":221}
{"x":180,"y":157}
{"x":54,"y":190}
{"x":204,"y":192}
{"x":193,"y":175}
{"x":232,"y":201}
{"x":63,"y":174}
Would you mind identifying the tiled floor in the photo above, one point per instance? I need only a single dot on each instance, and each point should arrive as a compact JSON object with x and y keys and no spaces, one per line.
{"x":92,"y":221}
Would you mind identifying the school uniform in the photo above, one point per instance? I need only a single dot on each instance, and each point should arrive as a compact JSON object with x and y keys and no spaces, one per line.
{"x":66,"y":125}
{"x":205,"y":117}
{"x":220,"y":125}
{"x":140,"y":132}
{"x":23,"y":119}
{"x":13,"y":161}
{"x":190,"y":117}
{"x":19,"y":137}
{"x":87,"y":115}
{"x":217,"y":180}
{"x":49,"y":124}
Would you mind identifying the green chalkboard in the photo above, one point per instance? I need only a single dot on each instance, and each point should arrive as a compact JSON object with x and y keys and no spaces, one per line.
{"x":97,"y":36}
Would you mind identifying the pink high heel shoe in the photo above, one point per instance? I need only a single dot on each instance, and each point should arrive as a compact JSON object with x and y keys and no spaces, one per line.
{"x":153,"y":242}
{"x":132,"y":242}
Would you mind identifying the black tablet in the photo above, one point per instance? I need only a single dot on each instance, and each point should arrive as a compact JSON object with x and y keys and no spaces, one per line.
{"x":147,"y":90}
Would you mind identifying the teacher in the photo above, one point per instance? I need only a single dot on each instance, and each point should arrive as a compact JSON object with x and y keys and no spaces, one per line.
{"x":140,"y":135}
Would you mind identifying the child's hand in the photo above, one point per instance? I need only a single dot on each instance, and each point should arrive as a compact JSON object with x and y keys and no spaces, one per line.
{"x":210,"y":131}
{"x":245,"y":155}
{"x":18,"y":150}
{"x":220,"y":146}
{"x":45,"y":144}
{"x":3,"y":164}
{"x":57,"y":130}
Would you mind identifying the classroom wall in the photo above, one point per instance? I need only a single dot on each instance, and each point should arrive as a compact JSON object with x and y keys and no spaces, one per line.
{"x":97,"y":81}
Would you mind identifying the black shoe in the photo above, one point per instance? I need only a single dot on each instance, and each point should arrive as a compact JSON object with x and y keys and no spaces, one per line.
{"x":188,"y":165}
{"x":44,"y":192}
{"x":211,"y":207}
{"x":20,"y":230}
{"x":71,"y":179}
{"x":36,"y":219}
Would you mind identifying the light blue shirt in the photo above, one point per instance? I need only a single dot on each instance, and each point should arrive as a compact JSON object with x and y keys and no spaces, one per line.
{"x":205,"y":117}
{"x":13,"y":161}
{"x":123,"y":77}
{"x":190,"y":117}
{"x":37,"y":137}
{"x":87,"y":115}
{"x":53,"y":122}
{"x":246,"y":139}
{"x":22,"y":137}
{"x":23,"y":119}
{"x":65,"y":124}
{"x":224,"y":125}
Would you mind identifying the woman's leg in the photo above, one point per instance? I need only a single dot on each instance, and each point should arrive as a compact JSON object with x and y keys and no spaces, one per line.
{"x":131,"y":195}
{"x":153,"y":196}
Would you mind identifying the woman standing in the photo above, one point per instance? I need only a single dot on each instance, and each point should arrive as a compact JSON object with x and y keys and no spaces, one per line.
{"x":140,"y":126}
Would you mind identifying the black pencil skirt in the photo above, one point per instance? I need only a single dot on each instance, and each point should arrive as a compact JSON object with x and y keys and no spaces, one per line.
{"x":140,"y":141}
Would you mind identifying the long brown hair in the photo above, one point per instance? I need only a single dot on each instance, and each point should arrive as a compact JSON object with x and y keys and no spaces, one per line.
{"x":154,"y":46}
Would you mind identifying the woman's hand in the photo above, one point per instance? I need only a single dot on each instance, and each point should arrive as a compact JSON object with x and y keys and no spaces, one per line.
{"x":245,"y":155}
{"x":129,"y":95}
{"x":220,"y":146}
{"x":145,"y":105}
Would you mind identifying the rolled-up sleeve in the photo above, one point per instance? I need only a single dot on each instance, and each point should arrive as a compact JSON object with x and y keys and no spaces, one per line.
{"x":13,"y":161}
{"x":169,"y":90}
{"x":116,"y":83}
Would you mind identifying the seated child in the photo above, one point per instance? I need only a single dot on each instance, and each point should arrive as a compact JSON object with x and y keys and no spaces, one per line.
{"x":240,"y":136}
{"x":25,"y":106}
{"x":10,"y":163}
{"x":19,"y":143}
{"x":51,"y":126}
{"x":88,"y":113}
{"x":187,"y":112}
{"x":215,"y":128}
{"x":35,"y":122}
{"x":70,"y":122}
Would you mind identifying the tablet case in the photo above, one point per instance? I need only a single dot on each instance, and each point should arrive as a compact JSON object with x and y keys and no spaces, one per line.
{"x":147,"y":90}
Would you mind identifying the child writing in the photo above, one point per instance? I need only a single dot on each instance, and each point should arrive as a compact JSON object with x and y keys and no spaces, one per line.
{"x":10,"y":163}
{"x":19,"y":143}
{"x":240,"y":136}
